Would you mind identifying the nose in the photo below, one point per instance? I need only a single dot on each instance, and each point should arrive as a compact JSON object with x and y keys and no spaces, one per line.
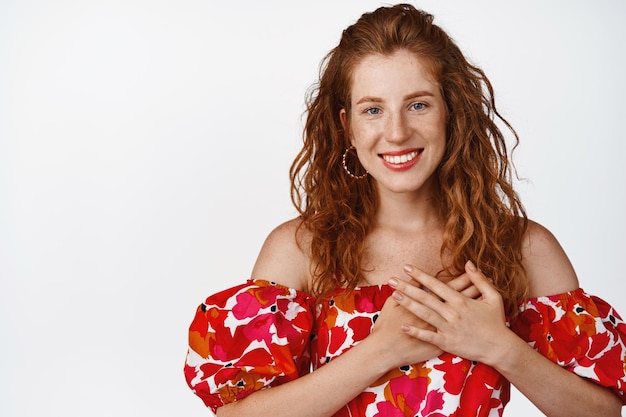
{"x":397,"y":129}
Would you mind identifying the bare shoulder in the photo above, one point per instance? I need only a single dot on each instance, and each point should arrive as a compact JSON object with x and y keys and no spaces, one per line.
{"x":548,"y":268}
{"x":283,"y":258}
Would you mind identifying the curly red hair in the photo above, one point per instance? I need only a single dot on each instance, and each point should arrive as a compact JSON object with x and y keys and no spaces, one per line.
{"x":483,"y":217}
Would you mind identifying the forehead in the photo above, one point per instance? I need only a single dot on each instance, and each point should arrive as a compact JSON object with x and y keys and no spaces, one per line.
{"x":385,"y":74}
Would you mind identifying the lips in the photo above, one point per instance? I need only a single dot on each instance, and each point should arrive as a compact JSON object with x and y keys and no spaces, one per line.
{"x":400,"y":161}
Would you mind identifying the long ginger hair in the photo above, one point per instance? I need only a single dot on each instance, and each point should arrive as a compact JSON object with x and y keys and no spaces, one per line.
{"x":484,"y":220}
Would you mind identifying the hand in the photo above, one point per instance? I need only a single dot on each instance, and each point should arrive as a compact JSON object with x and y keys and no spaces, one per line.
{"x":464,"y":324}
{"x":462,"y":284}
{"x":399,"y":348}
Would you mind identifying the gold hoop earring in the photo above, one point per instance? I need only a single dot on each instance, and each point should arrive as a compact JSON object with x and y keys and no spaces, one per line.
{"x":345,"y":167}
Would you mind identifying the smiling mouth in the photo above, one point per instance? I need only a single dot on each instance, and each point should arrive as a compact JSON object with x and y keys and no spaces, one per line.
{"x":401,"y":159}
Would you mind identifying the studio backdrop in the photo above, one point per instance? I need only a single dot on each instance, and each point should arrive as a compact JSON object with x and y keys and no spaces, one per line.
{"x":144,"y":156}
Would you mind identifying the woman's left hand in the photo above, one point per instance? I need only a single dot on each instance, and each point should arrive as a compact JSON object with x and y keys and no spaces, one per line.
{"x":472,"y":328}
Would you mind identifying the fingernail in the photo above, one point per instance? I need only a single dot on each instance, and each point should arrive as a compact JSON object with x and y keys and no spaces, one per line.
{"x":396,"y":295}
{"x":408,"y":268}
{"x":393,"y":282}
{"x":405,"y":329}
{"x":471,"y":266}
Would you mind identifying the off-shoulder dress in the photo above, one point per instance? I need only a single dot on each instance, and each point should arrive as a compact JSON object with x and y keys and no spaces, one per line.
{"x":261,"y":334}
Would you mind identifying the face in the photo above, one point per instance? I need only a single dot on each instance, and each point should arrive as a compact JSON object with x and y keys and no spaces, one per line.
{"x":397,"y":122}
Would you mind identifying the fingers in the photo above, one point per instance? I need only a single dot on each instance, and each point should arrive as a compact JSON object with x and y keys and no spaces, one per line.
{"x":434,"y":285}
{"x":421,"y":304}
{"x":425,"y":335}
{"x":484,"y":285}
{"x":471,"y":284}
{"x":460,"y":283}
{"x":457,"y":310}
{"x":431,"y":299}
{"x":425,"y":303}
{"x":464,"y":285}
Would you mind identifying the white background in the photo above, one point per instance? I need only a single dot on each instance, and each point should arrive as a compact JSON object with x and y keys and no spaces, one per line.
{"x":144,"y":152}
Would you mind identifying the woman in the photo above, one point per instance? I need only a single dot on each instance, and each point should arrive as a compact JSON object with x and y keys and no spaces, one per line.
{"x":412,"y":283}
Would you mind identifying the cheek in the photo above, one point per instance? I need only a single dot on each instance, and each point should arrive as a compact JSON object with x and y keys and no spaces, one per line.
{"x":361,"y":134}
{"x":443,"y":150}
{"x":439,"y":132}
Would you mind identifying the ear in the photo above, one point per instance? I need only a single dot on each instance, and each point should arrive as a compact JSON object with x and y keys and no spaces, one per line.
{"x":343,"y":118}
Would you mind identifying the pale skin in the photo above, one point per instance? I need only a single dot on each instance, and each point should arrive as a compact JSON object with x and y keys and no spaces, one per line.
{"x":415,"y":325}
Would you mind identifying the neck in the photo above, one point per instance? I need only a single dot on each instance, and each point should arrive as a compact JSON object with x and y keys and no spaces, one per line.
{"x":407,"y":212}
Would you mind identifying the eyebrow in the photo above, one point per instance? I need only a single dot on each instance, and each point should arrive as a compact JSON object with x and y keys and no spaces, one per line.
{"x":371,"y":99}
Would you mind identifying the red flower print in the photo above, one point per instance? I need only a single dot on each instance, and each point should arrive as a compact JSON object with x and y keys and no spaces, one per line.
{"x":337,"y":339}
{"x":260,"y":335}
{"x":476,"y":398}
{"x":434,"y":402}
{"x":386,"y":409}
{"x":361,"y":326}
{"x":579,"y":332}
{"x":455,"y":371}
{"x":357,"y":407}
{"x":405,"y":393}
{"x":250,"y":302}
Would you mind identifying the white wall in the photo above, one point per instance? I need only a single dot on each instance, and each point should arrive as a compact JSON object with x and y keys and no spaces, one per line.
{"x":144,"y":150}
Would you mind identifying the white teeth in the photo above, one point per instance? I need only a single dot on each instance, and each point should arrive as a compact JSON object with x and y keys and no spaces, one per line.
{"x":400,"y":159}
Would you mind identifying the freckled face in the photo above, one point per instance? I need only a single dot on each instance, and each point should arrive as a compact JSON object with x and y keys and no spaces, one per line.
{"x":397,"y":121}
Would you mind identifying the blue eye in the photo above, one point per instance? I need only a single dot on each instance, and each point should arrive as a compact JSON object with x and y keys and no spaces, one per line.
{"x":373,"y":111}
{"x":418,"y":106}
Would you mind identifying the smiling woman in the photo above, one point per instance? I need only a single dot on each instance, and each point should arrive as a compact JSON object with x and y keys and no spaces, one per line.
{"x":144,"y":156}
{"x":419,"y":288}
{"x":397,"y":119}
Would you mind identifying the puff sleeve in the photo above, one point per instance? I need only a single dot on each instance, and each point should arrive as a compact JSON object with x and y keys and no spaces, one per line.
{"x":579,"y":332}
{"x":247,"y":338}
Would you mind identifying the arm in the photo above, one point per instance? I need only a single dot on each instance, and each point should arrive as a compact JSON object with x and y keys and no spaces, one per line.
{"x":318,"y":394}
{"x":476,"y":329}
{"x":282,"y":259}
{"x":323,"y":392}
{"x":561,"y":393}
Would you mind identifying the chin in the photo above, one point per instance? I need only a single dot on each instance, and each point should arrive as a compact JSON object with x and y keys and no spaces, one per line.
{"x":408,"y":187}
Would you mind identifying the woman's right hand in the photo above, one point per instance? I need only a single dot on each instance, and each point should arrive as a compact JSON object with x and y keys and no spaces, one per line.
{"x":399,"y":349}
{"x":395,"y":346}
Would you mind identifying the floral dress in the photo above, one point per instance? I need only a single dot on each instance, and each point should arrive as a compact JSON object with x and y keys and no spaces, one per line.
{"x":260,"y":334}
